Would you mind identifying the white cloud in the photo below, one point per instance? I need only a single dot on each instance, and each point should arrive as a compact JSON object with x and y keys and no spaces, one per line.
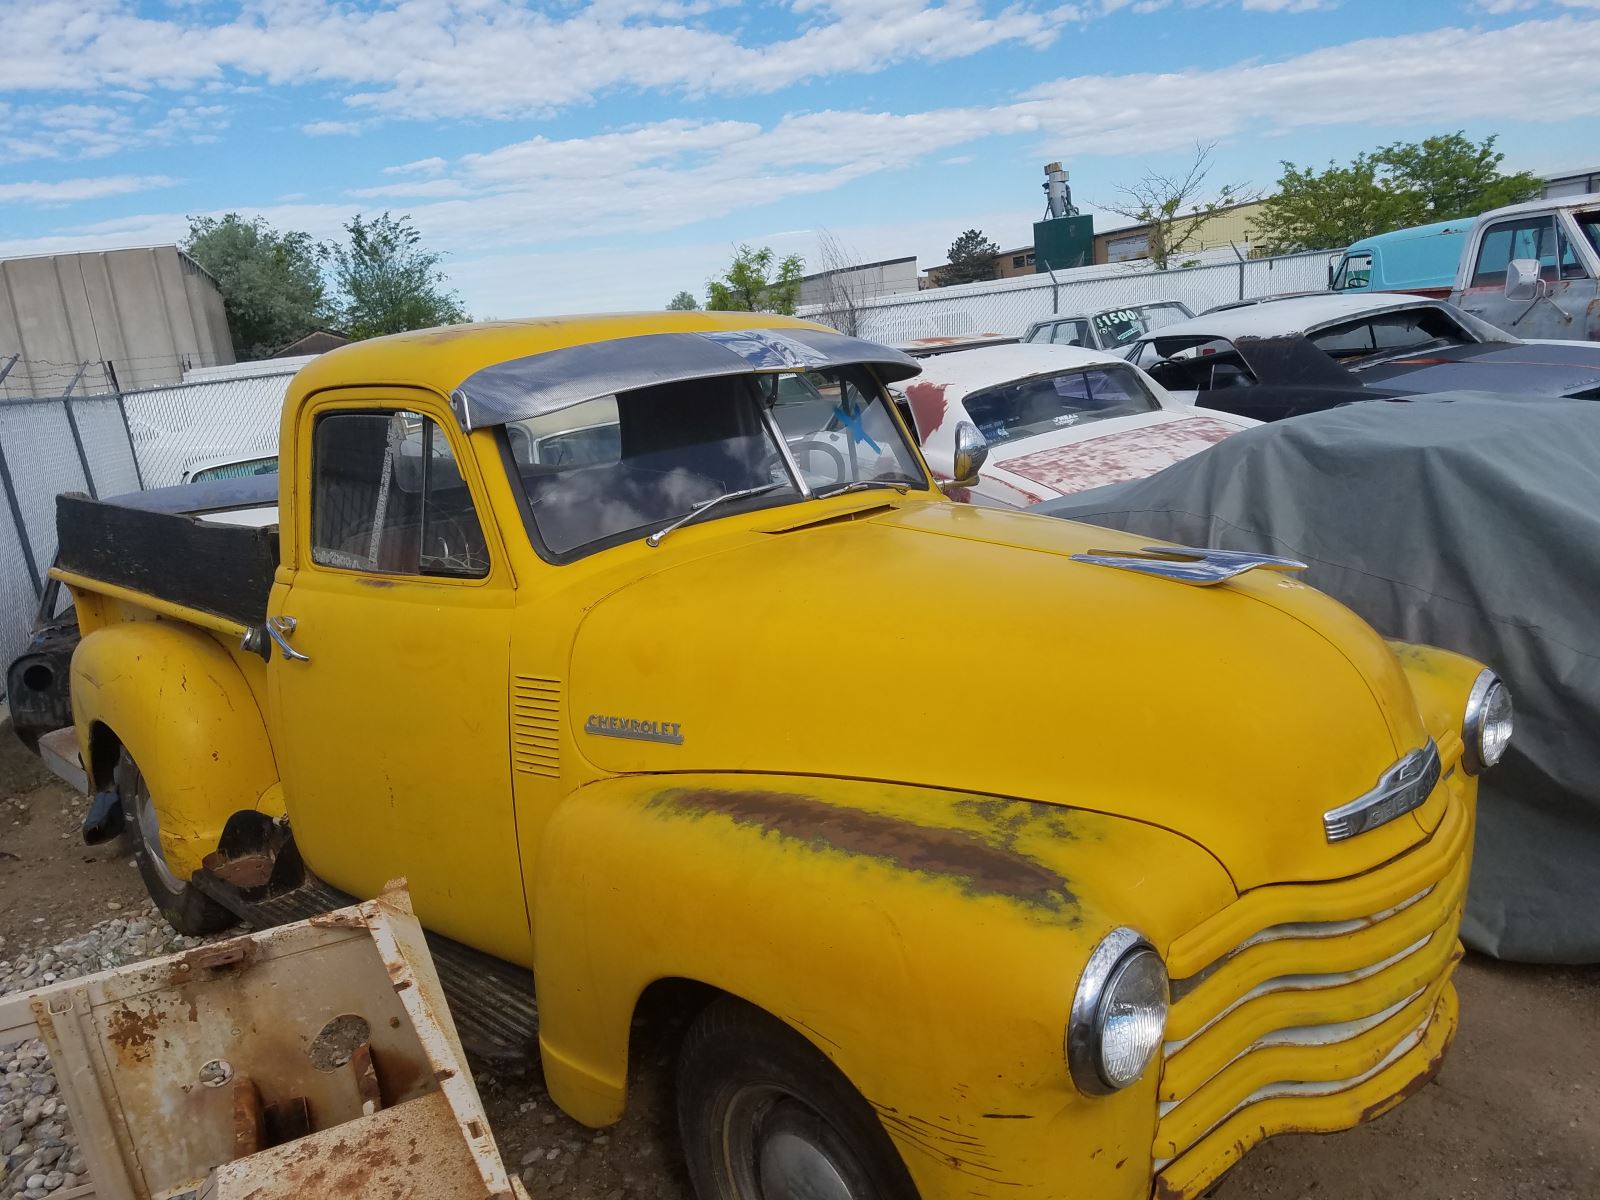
{"x":63,"y":191}
{"x":330,"y":128}
{"x":536,"y":200}
{"x":423,"y":189}
{"x":495,"y":58}
{"x":423,"y":166}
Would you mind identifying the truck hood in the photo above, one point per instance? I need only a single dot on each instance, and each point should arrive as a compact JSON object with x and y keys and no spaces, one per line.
{"x":956,"y":647}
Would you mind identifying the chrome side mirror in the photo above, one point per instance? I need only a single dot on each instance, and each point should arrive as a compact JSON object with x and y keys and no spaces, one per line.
{"x":1522,"y":279}
{"x":971,"y":452}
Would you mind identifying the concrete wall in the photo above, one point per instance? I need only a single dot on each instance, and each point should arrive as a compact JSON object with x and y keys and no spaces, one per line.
{"x":150,"y":312}
{"x":864,"y":282}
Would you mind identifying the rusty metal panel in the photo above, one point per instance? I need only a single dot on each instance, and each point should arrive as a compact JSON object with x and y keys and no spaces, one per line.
{"x":320,"y":1054}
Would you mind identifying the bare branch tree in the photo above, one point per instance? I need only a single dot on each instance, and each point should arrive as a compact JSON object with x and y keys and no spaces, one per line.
{"x":1172,"y":207}
{"x":842,"y":285}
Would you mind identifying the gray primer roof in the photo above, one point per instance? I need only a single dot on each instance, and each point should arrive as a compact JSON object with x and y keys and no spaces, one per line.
{"x":543,"y":383}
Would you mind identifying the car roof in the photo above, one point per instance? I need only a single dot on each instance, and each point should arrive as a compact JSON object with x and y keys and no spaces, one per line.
{"x":988,"y":366}
{"x":1084,"y":314}
{"x":1291,"y":315}
{"x":582,"y":356}
{"x":1461,"y":225}
{"x":1511,"y":210}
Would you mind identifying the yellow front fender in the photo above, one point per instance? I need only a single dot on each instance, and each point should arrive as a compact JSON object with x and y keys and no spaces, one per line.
{"x":183,"y":709}
{"x":928,"y":942}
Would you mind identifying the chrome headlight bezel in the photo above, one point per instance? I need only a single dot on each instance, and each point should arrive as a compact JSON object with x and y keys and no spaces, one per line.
{"x":1085,"y":1039}
{"x":1473,"y":723}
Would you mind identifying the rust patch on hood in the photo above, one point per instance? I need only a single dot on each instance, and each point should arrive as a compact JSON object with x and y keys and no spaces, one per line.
{"x":978,"y":865}
{"x":1115,"y":457}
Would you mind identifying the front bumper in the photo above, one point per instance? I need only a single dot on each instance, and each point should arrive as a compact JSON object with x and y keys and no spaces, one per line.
{"x":1310,"y":1007}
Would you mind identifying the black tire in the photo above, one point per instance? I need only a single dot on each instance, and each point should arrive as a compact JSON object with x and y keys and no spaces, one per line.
{"x":186,"y":908}
{"x":755,"y":1097}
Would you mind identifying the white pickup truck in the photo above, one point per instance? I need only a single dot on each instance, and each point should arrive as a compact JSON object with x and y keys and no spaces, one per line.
{"x":1534,"y":269}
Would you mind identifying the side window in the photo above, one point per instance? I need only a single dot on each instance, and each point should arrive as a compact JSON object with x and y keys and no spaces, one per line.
{"x":1039,"y":333}
{"x":1072,"y":333}
{"x":1354,"y":273}
{"x":388,"y":497}
{"x":1530,"y":237}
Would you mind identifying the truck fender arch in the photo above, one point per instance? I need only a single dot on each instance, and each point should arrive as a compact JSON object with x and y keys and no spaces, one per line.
{"x":181,"y":706}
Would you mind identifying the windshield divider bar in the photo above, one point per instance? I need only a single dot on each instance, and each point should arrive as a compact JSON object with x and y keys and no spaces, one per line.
{"x":776,"y":431}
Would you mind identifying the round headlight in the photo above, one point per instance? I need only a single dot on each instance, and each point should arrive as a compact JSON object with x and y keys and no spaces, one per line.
{"x":1119,"y":1015}
{"x":1487,"y":727}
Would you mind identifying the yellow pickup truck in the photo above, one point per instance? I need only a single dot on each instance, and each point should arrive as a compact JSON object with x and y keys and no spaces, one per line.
{"x":624,"y":639}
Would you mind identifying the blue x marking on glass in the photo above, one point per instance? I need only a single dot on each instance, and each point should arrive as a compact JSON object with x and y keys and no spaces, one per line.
{"x":853,"y":424}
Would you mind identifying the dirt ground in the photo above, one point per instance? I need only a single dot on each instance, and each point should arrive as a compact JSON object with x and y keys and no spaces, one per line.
{"x":1514,"y":1114}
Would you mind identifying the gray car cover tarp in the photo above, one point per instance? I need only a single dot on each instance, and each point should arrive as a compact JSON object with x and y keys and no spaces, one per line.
{"x":1461,"y":520}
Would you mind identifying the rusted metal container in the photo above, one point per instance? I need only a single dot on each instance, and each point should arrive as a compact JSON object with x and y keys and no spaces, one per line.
{"x":311,"y":1060}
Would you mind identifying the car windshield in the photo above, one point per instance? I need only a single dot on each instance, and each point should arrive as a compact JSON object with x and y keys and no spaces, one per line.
{"x":1046,"y":403}
{"x":621,"y":467}
{"x":267,"y":465}
{"x":1124,"y":326}
{"x":1589,"y":222}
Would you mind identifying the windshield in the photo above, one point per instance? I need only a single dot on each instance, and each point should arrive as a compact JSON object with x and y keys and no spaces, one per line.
{"x":1047,"y":403}
{"x":1589,"y":222}
{"x":267,"y":465}
{"x":618,"y":468}
{"x":1124,"y":326}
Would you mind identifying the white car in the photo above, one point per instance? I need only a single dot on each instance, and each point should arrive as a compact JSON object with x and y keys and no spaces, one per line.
{"x":1057,"y":419}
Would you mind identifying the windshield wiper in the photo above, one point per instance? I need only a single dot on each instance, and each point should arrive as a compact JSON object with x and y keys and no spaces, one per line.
{"x":862,"y":485}
{"x":705,"y":506}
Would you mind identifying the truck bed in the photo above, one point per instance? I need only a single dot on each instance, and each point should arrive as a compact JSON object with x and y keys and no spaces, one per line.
{"x":215,"y":567}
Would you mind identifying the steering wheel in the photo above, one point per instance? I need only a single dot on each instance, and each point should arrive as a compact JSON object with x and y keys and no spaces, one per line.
{"x":808,"y":446}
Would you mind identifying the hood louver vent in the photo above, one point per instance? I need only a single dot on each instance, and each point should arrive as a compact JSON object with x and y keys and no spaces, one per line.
{"x":536,"y":725}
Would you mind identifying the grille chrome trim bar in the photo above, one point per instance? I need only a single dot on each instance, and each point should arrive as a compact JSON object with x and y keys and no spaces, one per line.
{"x":1295,"y":931}
{"x":1317,"y":1087}
{"x":1303,"y":983}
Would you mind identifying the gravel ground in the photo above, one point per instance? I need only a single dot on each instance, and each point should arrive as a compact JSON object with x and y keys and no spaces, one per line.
{"x":40,"y":1150}
{"x":1514,"y":1114}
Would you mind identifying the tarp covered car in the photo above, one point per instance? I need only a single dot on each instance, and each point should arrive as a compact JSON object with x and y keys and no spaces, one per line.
{"x":1463,"y":520}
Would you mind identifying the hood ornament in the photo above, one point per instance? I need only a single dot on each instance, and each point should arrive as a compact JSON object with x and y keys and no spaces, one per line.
{"x":1189,"y":564}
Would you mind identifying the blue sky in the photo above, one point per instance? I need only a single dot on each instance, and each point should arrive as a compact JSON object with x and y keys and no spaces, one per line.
{"x":602,"y":154}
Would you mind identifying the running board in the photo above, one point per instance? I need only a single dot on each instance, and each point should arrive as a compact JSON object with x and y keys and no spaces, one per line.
{"x":491,"y":1000}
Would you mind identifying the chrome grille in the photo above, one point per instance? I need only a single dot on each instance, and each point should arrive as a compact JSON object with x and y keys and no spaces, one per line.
{"x":1296,"y":1013}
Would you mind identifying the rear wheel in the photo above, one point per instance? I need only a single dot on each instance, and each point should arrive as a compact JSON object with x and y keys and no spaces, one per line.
{"x":764,"y":1116}
{"x":186,"y":908}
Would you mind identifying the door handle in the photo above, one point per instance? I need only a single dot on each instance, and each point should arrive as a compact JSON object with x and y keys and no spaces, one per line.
{"x":280,"y":629}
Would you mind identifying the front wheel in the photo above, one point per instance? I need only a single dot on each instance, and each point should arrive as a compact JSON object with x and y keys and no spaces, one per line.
{"x":764,"y":1116}
{"x":186,"y":908}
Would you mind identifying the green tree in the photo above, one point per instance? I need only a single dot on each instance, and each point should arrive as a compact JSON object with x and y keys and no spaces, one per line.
{"x":971,"y":258}
{"x":1392,"y":187}
{"x":1171,"y":207}
{"x":683,"y":302}
{"x":272,"y":288}
{"x":387,"y":282}
{"x":749,"y":285}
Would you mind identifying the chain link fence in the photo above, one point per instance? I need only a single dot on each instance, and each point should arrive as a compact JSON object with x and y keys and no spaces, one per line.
{"x":1009,"y":306}
{"x":108,"y":445}
{"x":177,"y":430}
